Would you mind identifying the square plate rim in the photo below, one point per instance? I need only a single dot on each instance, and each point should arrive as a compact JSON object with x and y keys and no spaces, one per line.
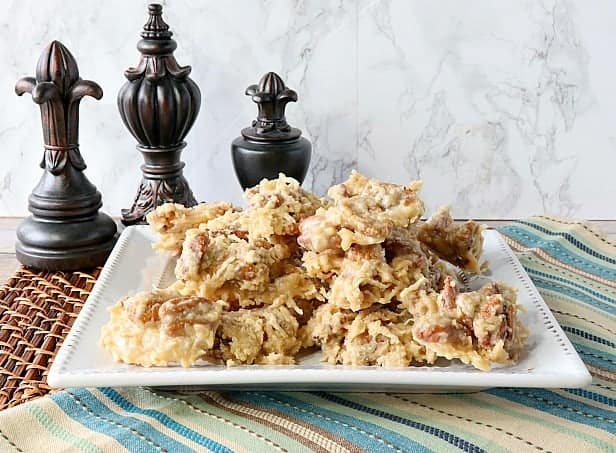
{"x":255,"y":376}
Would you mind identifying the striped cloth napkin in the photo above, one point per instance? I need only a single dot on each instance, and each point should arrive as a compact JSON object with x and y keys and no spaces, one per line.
{"x":573,"y":266}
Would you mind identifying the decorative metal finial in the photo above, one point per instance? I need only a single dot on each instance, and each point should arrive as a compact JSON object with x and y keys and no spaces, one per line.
{"x":65,"y":231}
{"x":271,"y":96}
{"x":159,"y":104}
{"x":270,"y":146}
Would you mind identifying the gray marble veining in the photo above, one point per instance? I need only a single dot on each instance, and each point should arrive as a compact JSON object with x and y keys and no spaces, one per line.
{"x":503,"y":109}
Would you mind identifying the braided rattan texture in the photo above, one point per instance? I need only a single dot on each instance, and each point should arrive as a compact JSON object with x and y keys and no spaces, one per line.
{"x":37,"y":309}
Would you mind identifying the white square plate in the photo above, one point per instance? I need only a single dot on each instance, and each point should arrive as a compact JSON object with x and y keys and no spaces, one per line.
{"x":548,"y":361}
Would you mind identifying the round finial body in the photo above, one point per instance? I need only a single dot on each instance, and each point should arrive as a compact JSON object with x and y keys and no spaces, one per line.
{"x":254,"y":160}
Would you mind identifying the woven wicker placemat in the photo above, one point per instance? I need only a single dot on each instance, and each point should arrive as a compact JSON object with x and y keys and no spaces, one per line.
{"x":37,"y":309}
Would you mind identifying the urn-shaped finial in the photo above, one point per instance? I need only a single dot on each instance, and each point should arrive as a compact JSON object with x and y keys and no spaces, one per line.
{"x":271,"y":96}
{"x":159,"y":104}
{"x":270,"y":146}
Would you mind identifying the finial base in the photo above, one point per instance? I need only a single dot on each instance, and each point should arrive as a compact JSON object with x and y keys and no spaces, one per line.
{"x":65,"y":245}
{"x":163,"y":182}
{"x":154,"y":192}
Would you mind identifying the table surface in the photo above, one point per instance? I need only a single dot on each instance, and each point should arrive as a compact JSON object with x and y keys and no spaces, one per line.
{"x":527,"y":419}
{"x":8,"y":262}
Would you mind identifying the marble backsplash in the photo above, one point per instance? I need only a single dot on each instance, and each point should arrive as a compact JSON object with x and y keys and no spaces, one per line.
{"x":504,"y":109}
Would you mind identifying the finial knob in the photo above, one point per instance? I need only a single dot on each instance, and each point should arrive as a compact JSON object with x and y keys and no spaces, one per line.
{"x":155,"y":27}
{"x":271,"y":96}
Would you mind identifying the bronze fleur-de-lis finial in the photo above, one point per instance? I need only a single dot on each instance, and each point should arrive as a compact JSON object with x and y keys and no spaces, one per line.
{"x":66,"y":230}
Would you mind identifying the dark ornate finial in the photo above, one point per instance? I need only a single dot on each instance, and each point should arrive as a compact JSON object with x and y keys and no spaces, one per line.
{"x":65,"y":231}
{"x":270,"y":146}
{"x":159,"y":104}
{"x":271,"y":96}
